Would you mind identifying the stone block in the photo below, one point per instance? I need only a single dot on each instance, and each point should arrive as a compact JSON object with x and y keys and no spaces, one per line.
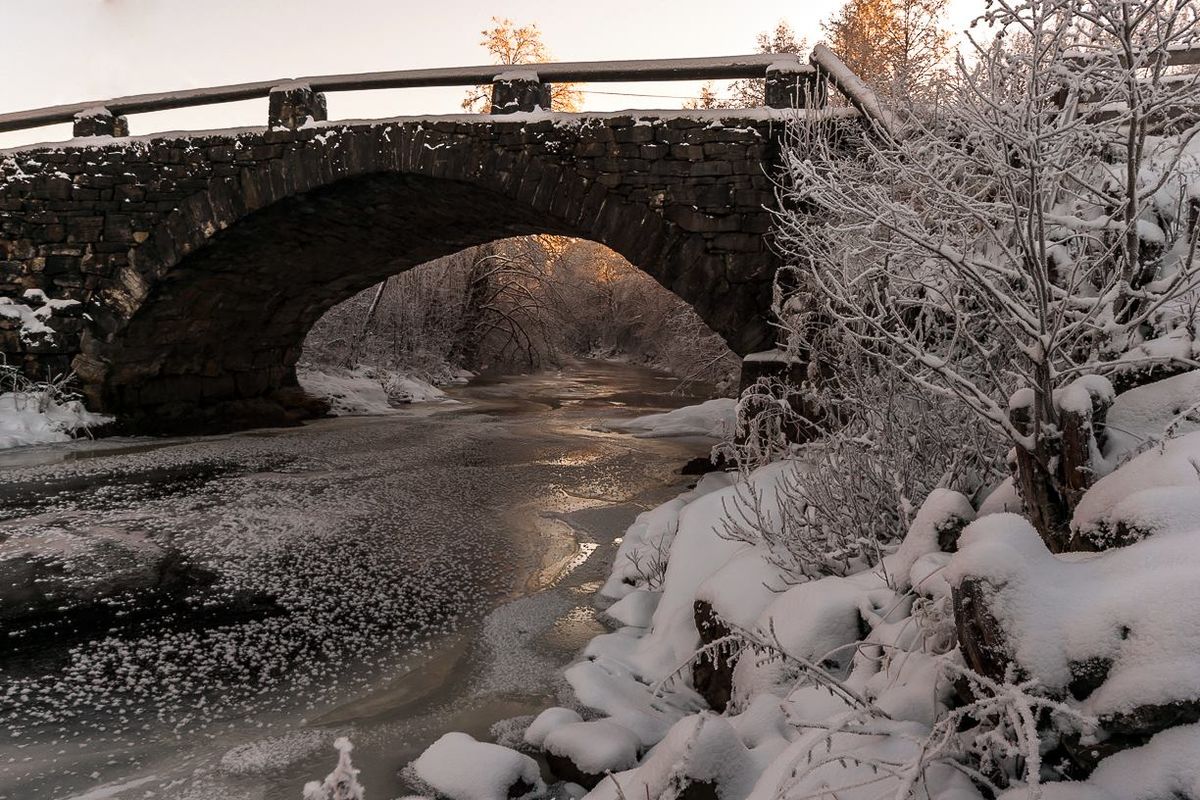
{"x":292,"y":105}
{"x":99,"y":122}
{"x":519,"y":90}
{"x":796,"y":89}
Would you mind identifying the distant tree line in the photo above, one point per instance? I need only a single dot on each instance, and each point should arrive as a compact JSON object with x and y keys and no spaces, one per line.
{"x":520,"y":304}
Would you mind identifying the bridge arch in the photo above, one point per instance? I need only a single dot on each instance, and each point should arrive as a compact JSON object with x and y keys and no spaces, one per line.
{"x":211,"y":255}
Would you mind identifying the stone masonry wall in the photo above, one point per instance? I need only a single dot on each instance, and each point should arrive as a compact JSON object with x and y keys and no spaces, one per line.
{"x":120,"y":226}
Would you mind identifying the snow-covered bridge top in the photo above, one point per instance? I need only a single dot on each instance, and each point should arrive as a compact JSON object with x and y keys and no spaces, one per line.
{"x":725,"y":67}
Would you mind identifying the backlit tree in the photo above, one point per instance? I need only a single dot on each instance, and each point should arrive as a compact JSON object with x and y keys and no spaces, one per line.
{"x":509,"y":43}
{"x":896,"y":46}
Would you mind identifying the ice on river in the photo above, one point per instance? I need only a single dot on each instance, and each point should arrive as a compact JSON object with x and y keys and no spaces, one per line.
{"x":317,"y":561}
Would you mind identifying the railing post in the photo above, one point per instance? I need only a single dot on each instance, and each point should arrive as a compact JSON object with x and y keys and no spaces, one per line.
{"x":100,"y":121}
{"x":519,"y":90}
{"x":291,"y":105}
{"x":791,"y":86}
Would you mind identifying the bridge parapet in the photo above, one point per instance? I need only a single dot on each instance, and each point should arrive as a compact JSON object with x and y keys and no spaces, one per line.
{"x":791,"y":82}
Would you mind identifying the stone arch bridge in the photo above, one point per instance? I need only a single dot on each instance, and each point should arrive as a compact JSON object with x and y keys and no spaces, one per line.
{"x":177,"y":274}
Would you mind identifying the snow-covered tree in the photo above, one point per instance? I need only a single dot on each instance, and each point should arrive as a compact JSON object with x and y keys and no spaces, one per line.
{"x":751,"y":92}
{"x":1025,"y":245}
{"x":899,"y":46}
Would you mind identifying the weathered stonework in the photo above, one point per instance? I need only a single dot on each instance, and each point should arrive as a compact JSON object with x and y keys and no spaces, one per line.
{"x":202,"y":261}
{"x":99,"y":122}
{"x":294,"y":105}
{"x":513,"y":92}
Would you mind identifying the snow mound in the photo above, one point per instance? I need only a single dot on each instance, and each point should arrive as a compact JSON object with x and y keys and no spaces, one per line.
{"x":365,"y":390}
{"x":547,"y":721}
{"x":28,"y":418}
{"x":1132,"y":608}
{"x":611,"y":686}
{"x":712,"y":418}
{"x":407,"y":389}
{"x":742,"y":588}
{"x":701,"y":749}
{"x":1142,"y":415}
{"x":461,"y":768}
{"x":846,"y":766}
{"x":648,"y":540}
{"x":1156,"y":491}
{"x":595,"y":747}
{"x":1163,"y":767}
{"x":349,"y":392}
{"x":636,"y":609}
{"x":937,"y":524}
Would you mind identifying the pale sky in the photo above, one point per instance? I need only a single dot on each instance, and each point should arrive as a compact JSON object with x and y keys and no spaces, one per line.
{"x":65,"y":51}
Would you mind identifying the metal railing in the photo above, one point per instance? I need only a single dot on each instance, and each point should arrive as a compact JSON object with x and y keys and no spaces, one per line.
{"x":714,"y":68}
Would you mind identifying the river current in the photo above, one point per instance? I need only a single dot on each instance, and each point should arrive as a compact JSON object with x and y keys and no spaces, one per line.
{"x":388,"y":578}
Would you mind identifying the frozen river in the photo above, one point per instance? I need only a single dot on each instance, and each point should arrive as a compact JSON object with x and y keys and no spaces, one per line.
{"x":388,"y":578}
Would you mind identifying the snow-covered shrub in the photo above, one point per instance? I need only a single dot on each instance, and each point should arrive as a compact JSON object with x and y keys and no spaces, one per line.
{"x":342,"y":783}
{"x":35,"y":412}
{"x":852,"y":496}
{"x":1012,"y":238}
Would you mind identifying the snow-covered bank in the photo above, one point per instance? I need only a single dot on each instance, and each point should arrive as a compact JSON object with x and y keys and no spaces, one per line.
{"x":712,"y":418}
{"x":727,"y":673}
{"x":35,"y":417}
{"x":368,"y":390}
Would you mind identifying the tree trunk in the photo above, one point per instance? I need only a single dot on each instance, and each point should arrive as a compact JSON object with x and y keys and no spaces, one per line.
{"x":467,"y":338}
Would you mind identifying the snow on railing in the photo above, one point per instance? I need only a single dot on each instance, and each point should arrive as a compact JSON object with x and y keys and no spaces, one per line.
{"x":860,"y":95}
{"x":718,"y":68}
{"x":1176,"y":56}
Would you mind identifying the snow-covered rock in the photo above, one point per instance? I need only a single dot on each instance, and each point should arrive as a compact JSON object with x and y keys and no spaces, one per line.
{"x":936,"y":528}
{"x":847,"y":766}
{"x":1002,"y":498}
{"x":461,"y":768}
{"x":1142,"y":416}
{"x":609,"y":685}
{"x":582,"y":752}
{"x":1163,"y":767}
{"x":635,"y":609}
{"x":712,"y":418}
{"x":548,"y":721}
{"x":1131,"y":608}
{"x":647,"y":542}
{"x":813,"y":623}
{"x":703,"y":750}
{"x":1156,"y":491}
{"x":742,"y":588}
